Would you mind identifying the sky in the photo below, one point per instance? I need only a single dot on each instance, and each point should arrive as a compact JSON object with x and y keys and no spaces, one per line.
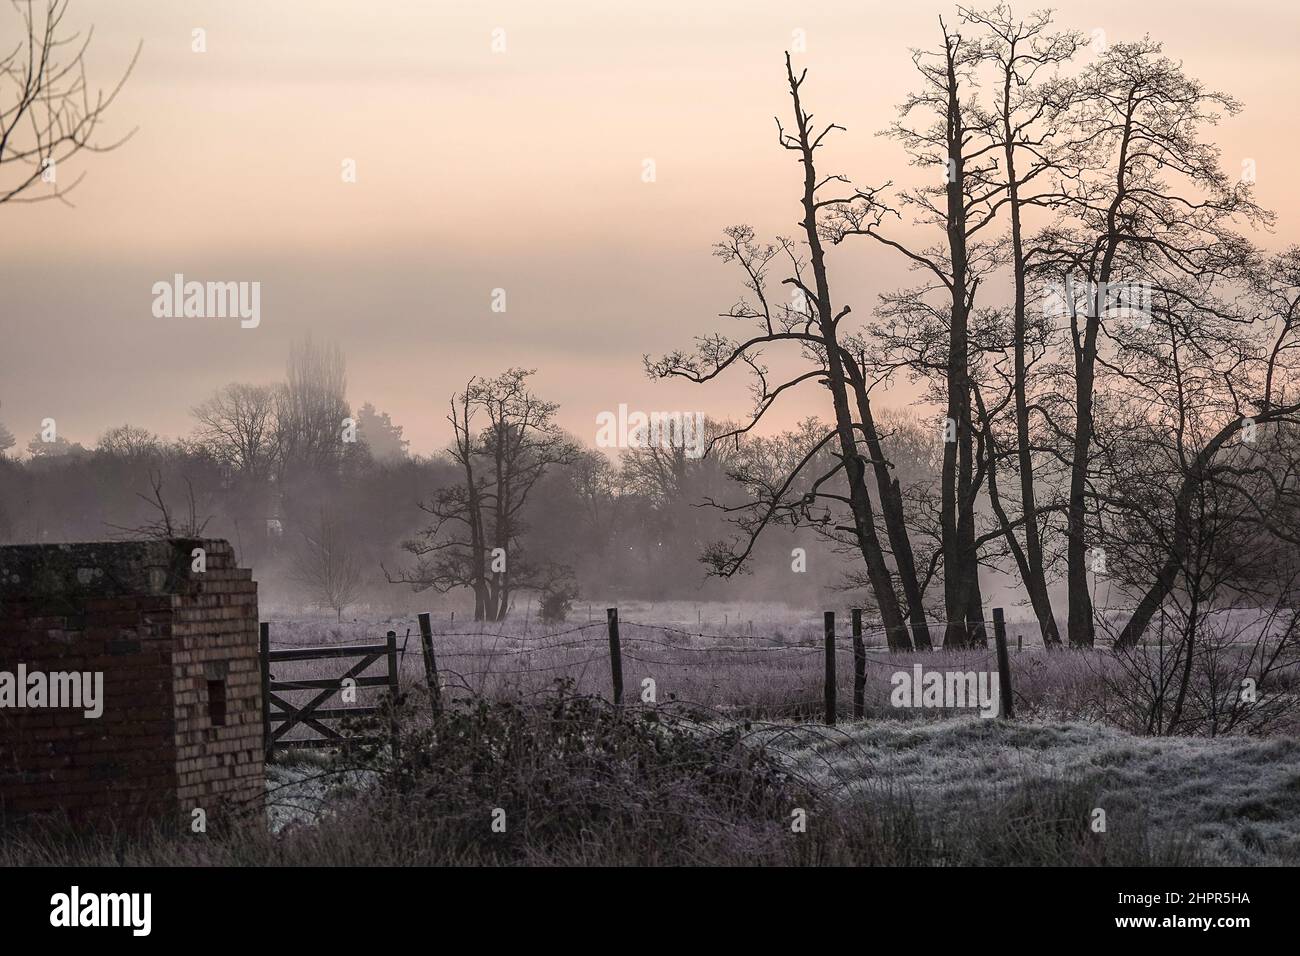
{"x":478,"y":169}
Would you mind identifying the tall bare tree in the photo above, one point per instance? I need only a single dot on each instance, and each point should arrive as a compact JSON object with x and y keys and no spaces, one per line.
{"x":943,"y":132}
{"x":505,"y":439}
{"x":1149,"y":206}
{"x":310,"y":407}
{"x":1029,"y":98}
{"x":813,"y":324}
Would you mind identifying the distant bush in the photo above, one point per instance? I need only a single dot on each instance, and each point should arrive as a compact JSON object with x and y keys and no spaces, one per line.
{"x":557,"y":603}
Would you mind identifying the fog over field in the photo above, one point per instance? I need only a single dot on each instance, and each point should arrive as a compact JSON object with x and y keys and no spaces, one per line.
{"x":669,"y":435}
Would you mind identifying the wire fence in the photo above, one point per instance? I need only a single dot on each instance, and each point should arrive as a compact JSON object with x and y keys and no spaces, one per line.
{"x":752,"y":675}
{"x":784,"y":693}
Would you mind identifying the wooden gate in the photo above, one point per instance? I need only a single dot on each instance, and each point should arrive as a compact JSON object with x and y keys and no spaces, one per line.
{"x":280,"y":715}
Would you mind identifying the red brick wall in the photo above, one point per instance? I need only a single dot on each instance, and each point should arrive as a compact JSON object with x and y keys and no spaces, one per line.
{"x":158,"y":632}
{"x":215,"y":637}
{"x":123,"y":761}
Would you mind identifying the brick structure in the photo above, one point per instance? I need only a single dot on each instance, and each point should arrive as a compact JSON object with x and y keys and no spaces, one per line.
{"x":181,"y":726}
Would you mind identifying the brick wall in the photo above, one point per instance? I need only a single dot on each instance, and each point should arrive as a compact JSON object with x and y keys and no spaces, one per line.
{"x":166,"y":639}
{"x":215,"y":640}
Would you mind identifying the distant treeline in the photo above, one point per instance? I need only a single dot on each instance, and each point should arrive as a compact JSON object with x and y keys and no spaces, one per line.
{"x":275,"y":469}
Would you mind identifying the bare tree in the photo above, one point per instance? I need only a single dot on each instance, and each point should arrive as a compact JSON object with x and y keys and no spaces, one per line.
{"x":129,"y":441}
{"x":238,"y":425}
{"x":166,"y":525}
{"x":310,"y":407}
{"x":1029,"y":100}
{"x":327,"y":563}
{"x":932,"y":323}
{"x":1149,"y":206}
{"x":1207,"y":444}
{"x":813,"y":324}
{"x":596,"y":485}
{"x":505,"y":440}
{"x":48,"y":111}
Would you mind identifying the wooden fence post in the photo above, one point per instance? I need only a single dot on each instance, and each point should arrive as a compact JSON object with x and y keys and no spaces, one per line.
{"x":1004,"y":663}
{"x":829,"y":690}
{"x":430,"y":664}
{"x":615,"y":655}
{"x":392,"y":689}
{"x":859,"y":666}
{"x":265,"y":629}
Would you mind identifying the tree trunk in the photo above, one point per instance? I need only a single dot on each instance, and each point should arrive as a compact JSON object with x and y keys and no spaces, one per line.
{"x":859,"y":498}
{"x":891,"y":507}
{"x":1189,"y":643}
{"x":995,"y":499}
{"x":960,"y":567}
{"x":1032,"y":572}
{"x":1167,"y":576}
{"x":1079,"y":625}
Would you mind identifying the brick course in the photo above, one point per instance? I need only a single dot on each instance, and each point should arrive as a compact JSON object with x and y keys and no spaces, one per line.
{"x":159,"y":632}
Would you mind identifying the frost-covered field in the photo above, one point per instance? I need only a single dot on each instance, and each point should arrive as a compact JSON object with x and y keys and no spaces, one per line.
{"x":771,"y":667}
{"x":744,"y":660}
{"x":1230,"y":800}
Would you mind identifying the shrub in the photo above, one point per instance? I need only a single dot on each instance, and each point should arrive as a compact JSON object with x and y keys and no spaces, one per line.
{"x":557,"y":603}
{"x":567,"y":777}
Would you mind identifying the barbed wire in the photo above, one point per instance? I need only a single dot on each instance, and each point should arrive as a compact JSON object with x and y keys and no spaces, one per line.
{"x":516,"y":651}
{"x":547,"y":634}
{"x":720,"y":652}
{"x":527,"y":670}
{"x":723,"y":649}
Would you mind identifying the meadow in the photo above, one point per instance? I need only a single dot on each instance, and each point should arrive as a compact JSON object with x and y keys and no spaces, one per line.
{"x":763,"y":661}
{"x":732,"y":763}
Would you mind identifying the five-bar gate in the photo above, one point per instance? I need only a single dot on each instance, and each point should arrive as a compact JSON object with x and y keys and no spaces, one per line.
{"x":281,"y":715}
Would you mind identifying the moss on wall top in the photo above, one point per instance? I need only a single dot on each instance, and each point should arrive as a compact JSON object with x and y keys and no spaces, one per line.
{"x":73,"y":573}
